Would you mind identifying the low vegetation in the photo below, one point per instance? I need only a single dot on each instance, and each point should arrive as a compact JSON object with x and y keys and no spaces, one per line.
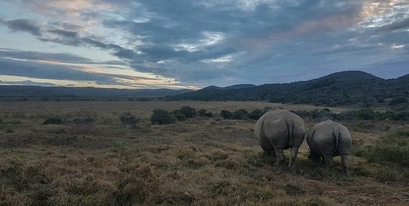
{"x":129,"y":118}
{"x":161,"y":116}
{"x":390,"y":149}
{"x":99,"y":160}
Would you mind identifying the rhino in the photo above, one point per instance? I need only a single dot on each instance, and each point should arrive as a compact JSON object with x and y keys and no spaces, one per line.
{"x":327,"y":140}
{"x":278,"y":130}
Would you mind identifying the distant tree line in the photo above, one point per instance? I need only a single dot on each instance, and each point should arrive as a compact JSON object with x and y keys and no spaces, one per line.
{"x":359,"y":114}
{"x":162,"y":116}
{"x":353,"y":88}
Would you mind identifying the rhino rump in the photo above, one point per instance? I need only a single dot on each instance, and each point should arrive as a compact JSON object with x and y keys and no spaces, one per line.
{"x":329,"y":138}
{"x":280,"y":129}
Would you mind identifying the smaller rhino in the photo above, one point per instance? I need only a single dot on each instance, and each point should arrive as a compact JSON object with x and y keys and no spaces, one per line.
{"x":327,"y":140}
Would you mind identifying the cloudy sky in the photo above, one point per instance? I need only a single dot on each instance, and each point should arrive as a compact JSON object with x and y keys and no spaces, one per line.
{"x":193,"y":44}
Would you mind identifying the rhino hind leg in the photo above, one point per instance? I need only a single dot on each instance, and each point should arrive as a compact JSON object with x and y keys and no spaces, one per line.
{"x":280,"y":156}
{"x":329,"y":162}
{"x":344,"y":163}
{"x":294,"y":152}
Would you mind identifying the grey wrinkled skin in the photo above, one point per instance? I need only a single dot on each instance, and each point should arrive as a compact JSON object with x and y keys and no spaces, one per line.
{"x":327,"y":140}
{"x":278,"y":130}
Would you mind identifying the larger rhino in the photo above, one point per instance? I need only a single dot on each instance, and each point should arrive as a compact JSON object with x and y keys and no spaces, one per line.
{"x":278,"y":130}
{"x":327,"y":140}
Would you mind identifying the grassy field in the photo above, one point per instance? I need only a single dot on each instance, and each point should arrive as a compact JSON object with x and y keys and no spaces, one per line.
{"x":200,"y":161}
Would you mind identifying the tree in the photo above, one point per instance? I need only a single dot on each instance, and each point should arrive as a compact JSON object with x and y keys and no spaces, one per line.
{"x":179,"y":115}
{"x":161,"y":116}
{"x":204,"y":113}
{"x":240,"y":114}
{"x":189,"y":112}
{"x":226,"y":114}
{"x":398,"y":101}
{"x":256,"y":114}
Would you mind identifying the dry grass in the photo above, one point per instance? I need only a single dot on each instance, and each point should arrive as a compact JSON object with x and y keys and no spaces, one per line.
{"x":202,"y":161}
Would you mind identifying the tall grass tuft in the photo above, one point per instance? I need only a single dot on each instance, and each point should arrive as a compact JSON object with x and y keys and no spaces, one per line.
{"x":392,"y":148}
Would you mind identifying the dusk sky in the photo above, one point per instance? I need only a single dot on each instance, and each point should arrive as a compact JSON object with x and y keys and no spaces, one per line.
{"x":193,"y":44}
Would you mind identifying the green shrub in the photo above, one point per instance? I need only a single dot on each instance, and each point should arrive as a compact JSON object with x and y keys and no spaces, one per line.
{"x":401,"y":116}
{"x":364,"y":114}
{"x":53,"y":121}
{"x":83,"y":120}
{"x":317,"y":114}
{"x":129,"y":118}
{"x":189,"y":112}
{"x":161,"y":116}
{"x":226,"y":114}
{"x":256,"y":114}
{"x":398,"y":101}
{"x":204,"y":113}
{"x":179,"y":115}
{"x":393,"y":148}
{"x":240,"y":114}
{"x":367,"y":114}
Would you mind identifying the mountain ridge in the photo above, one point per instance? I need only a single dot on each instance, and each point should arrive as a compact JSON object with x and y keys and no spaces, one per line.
{"x":44,"y":92}
{"x":346,"y":88}
{"x":337,"y":89}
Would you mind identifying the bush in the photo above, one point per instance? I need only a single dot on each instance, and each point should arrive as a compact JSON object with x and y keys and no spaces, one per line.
{"x":316,"y":114}
{"x":256,"y":114}
{"x":83,"y":120}
{"x":367,"y":114}
{"x":401,"y":116}
{"x":226,"y":114}
{"x":204,"y":113}
{"x":240,"y":114}
{"x":398,"y":101}
{"x":189,"y":112}
{"x":393,"y":148}
{"x":128,"y":118}
{"x":179,"y":115}
{"x":161,"y":116}
{"x":53,"y":121}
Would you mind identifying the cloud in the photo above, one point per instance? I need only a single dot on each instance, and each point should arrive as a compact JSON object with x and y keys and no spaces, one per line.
{"x":48,"y":71}
{"x":225,"y":42}
{"x":34,"y":55}
{"x":23,"y":25}
{"x":64,"y":33}
{"x":395,"y":25}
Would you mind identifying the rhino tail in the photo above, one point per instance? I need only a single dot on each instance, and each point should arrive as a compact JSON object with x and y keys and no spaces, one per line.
{"x":337,"y":135}
{"x":290,"y":132}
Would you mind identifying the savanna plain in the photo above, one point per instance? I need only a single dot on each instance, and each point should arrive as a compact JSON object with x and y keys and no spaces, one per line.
{"x":83,"y":153}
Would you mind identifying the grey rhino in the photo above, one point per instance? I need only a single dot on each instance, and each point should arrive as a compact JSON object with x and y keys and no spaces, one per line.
{"x":327,"y":140}
{"x":278,"y":130}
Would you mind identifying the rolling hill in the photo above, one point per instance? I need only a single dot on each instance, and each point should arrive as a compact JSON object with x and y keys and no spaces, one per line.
{"x":347,"y":88}
{"x":78,"y":92}
{"x":337,"y":89}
